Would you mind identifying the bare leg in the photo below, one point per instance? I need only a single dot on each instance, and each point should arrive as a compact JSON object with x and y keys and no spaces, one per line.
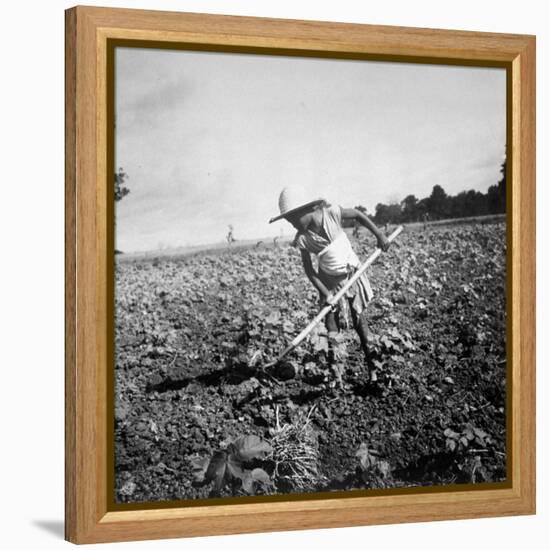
{"x":330,"y":322}
{"x":332,"y":329}
{"x":361,"y":326}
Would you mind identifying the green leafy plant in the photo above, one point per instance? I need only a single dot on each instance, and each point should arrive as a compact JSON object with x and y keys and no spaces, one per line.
{"x":372,"y":469}
{"x":458,"y":442}
{"x":229,"y":466}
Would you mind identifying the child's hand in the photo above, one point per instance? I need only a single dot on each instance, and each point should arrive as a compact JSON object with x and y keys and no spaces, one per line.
{"x":328,"y":300}
{"x":383,"y":243}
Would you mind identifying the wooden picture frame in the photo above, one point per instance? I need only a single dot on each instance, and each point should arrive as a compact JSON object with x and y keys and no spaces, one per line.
{"x":90,"y":34}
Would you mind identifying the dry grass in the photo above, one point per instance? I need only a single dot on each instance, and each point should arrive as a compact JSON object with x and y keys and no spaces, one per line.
{"x":296,"y":453}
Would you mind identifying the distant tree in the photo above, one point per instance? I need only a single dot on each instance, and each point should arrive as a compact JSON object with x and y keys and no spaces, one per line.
{"x":496,"y":194}
{"x":439,"y":205}
{"x":502,"y":187}
{"x":475,"y":203}
{"x":495,"y":203}
{"x":438,"y":202}
{"x":423,"y":206}
{"x":381,"y":214}
{"x":387,"y":213}
{"x":409,"y":209}
{"x":502,"y":181}
{"x":120,"y":188}
{"x":459,"y":205}
{"x":394,"y":211}
{"x":120,"y":191}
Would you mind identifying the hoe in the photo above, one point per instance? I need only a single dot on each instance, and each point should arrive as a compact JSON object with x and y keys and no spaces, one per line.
{"x":321,"y":315}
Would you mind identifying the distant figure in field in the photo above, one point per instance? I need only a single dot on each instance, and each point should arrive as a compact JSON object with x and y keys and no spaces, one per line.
{"x":425,"y":219}
{"x":230,"y":238}
{"x":275,"y":242}
{"x":356,"y":230}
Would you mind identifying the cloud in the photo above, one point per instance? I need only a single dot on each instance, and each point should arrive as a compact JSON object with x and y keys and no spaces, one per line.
{"x":152,"y":106}
{"x":210,"y":139}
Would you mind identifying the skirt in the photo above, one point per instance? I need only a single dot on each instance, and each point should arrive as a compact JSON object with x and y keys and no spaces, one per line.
{"x":358,"y":295}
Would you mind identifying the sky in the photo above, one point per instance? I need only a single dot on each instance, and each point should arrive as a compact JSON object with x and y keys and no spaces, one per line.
{"x":210,"y":139}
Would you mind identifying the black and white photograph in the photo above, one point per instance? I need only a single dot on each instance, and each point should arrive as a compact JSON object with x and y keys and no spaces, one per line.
{"x":310,"y":275}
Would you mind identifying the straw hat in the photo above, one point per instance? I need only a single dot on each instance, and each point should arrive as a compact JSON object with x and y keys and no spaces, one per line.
{"x":291,"y":200}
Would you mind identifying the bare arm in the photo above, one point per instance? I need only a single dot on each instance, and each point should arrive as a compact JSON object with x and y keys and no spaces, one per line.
{"x":312,"y":274}
{"x":354,"y":214}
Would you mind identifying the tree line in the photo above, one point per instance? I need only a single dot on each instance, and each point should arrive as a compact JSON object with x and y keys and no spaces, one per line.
{"x":440,"y":206}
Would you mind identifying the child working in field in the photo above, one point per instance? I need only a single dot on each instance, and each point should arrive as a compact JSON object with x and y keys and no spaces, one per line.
{"x":320,"y":232}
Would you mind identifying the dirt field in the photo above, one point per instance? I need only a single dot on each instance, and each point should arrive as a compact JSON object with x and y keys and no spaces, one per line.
{"x":193,"y":332}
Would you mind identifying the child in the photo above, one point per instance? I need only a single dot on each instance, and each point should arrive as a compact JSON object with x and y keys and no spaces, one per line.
{"x":320,"y":232}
